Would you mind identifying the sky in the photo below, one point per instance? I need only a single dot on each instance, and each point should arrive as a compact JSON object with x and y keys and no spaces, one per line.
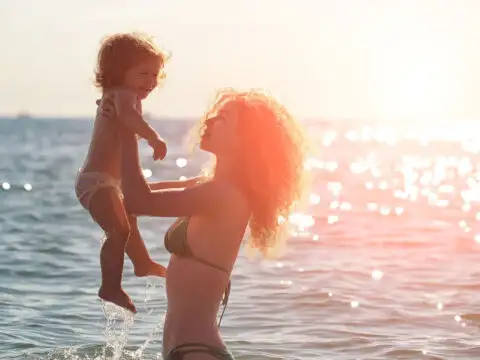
{"x":384,"y":60}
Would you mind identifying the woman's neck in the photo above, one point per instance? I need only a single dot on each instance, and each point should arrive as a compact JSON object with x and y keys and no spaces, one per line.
{"x":230,"y":171}
{"x":224,"y":169}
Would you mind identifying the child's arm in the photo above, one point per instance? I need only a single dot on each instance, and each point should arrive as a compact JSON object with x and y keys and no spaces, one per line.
{"x":125,"y":103}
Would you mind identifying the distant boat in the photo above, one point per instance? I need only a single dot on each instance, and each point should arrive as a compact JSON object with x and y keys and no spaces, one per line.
{"x":23,"y":115}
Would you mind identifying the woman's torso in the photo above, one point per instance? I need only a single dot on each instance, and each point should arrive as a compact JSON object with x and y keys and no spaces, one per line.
{"x":195,"y":290}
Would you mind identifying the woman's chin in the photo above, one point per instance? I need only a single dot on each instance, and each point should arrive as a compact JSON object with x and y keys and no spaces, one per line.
{"x":204,"y":146}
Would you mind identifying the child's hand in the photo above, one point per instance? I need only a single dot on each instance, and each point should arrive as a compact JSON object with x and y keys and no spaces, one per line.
{"x":159,"y":148}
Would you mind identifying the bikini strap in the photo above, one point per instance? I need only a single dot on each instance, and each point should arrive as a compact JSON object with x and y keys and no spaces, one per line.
{"x":195,"y":348}
{"x":208,"y":263}
{"x":225,"y":302}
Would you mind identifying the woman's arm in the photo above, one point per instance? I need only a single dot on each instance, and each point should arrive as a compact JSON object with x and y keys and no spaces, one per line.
{"x":139,"y":199}
{"x":174,"y":184}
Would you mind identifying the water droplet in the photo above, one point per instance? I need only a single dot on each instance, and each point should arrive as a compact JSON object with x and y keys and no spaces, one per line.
{"x":314,"y":199}
{"x":377,"y":274}
{"x":181,"y":162}
{"x":147,"y":173}
{"x":332,"y":219}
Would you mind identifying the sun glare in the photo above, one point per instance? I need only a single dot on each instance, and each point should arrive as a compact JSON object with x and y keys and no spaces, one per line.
{"x":417,"y":74}
{"x":414,"y":80}
{"x":414,"y":88}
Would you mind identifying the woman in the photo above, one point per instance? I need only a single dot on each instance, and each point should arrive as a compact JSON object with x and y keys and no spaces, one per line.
{"x":255,"y":181}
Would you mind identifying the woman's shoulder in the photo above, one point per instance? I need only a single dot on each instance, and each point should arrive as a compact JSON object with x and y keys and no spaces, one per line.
{"x":230,"y":194}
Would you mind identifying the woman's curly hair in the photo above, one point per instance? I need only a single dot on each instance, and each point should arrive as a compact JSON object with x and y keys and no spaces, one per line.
{"x":120,"y":52}
{"x":271,"y":154}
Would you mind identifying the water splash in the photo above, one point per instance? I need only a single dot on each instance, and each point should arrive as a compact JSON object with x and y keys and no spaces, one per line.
{"x":116,"y":342}
{"x":149,"y":290}
{"x":117,"y":336}
{"x":151,"y":338}
{"x":150,"y":293}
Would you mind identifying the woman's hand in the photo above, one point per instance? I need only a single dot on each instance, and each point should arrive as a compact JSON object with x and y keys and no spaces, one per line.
{"x":194,"y":181}
{"x":106,"y":107}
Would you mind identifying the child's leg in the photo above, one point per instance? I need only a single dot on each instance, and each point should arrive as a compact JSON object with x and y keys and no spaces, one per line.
{"x":106,"y":208}
{"x":137,"y":252}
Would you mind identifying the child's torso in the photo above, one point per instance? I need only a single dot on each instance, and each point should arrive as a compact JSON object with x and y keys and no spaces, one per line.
{"x":104,"y":150}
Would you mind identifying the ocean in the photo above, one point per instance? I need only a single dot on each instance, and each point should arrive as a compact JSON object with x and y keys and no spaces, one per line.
{"x":383,"y":263}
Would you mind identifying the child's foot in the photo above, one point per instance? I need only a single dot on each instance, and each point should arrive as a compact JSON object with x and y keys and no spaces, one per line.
{"x":150,"y":268}
{"x":118,"y":297}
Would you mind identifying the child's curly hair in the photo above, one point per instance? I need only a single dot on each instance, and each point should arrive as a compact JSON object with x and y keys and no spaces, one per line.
{"x":271,"y":154}
{"x":120,"y":52}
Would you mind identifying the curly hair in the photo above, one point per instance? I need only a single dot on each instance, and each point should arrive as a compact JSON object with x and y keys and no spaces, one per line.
{"x":120,"y":52}
{"x":271,"y":154}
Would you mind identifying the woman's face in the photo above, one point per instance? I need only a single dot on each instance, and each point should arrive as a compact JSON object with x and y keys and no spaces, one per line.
{"x":220,"y":136}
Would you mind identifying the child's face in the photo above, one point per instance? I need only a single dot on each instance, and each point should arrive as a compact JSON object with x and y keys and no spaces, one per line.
{"x":143,"y":78}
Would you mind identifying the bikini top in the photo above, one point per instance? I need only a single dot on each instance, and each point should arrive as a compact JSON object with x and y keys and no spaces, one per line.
{"x":175,"y":242}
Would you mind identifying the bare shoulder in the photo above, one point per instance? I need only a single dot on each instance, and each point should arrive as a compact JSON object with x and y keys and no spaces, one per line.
{"x":123,"y":98}
{"x":125,"y":95}
{"x":114,"y":97}
{"x":121,"y":92}
{"x":231,"y":196}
